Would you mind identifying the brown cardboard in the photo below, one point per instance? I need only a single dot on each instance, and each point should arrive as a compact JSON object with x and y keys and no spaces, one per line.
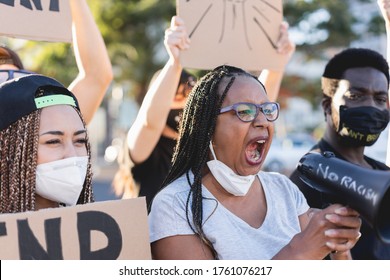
{"x":241,"y":33}
{"x":40,"y":20}
{"x":118,"y":228}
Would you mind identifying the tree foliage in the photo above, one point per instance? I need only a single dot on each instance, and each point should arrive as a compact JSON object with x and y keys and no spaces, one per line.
{"x":321,"y":25}
{"x":134,"y":30}
{"x":325,"y":24}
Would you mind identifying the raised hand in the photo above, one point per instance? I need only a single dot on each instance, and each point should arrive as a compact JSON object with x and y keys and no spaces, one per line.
{"x":176,"y":38}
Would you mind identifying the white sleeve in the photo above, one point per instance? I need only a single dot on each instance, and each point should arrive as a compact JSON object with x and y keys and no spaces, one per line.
{"x":168,"y":214}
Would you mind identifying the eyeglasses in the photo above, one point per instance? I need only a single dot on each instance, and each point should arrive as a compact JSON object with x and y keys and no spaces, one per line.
{"x":10,"y":74}
{"x":247,"y":112}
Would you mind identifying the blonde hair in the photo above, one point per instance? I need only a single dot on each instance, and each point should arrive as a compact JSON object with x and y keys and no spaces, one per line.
{"x":123,"y":182}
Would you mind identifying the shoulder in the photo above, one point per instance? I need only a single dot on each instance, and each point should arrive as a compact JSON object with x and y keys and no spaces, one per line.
{"x":274,"y":178}
{"x":281,"y":191}
{"x":168,"y":214}
{"x":376,"y":164}
{"x":180,"y":185}
{"x":279,"y":183}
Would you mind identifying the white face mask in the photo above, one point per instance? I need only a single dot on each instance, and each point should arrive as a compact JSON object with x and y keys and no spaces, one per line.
{"x":62,"y":180}
{"x":230,"y":181}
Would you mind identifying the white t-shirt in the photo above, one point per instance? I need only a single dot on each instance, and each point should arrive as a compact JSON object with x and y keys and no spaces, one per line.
{"x":232,"y":238}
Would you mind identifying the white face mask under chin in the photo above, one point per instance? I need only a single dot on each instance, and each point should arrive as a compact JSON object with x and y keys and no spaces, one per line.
{"x":62,"y":180}
{"x":230,"y":181}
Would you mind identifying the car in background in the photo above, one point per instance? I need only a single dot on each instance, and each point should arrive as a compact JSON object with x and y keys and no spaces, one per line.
{"x":285,"y":152}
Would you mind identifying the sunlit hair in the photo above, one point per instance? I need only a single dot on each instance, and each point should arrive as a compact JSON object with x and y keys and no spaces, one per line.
{"x":8,"y":56}
{"x":123,"y":183}
{"x":18,"y":163}
{"x":195,"y":133}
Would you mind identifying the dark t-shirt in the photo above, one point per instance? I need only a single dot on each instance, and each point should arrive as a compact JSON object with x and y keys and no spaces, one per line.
{"x":150,"y":174}
{"x":369,"y":247}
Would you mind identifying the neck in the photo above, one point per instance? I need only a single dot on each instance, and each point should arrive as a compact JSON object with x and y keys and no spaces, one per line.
{"x":215,"y":187}
{"x":351,"y":154}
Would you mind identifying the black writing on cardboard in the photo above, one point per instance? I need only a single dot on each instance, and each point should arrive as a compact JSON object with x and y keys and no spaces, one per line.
{"x":33,"y":4}
{"x":30,"y":248}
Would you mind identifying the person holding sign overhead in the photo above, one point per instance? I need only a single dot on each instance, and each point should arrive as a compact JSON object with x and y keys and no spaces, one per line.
{"x":152,"y":137}
{"x":95,"y":71}
{"x":45,"y":158}
{"x":216,"y":202}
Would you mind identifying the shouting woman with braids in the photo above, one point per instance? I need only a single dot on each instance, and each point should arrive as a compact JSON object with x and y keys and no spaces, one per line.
{"x":216,"y":201}
{"x":152,"y":137}
{"x":44,"y":148}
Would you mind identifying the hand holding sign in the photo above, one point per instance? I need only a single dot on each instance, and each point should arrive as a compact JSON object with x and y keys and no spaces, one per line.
{"x":176,"y":38}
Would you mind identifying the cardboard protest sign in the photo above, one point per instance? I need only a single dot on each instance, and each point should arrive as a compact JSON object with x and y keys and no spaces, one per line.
{"x":41,"y":20}
{"x":102,"y":230}
{"x":241,"y":33}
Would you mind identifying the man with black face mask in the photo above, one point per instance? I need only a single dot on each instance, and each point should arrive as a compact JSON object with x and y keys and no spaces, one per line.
{"x":355,"y":84}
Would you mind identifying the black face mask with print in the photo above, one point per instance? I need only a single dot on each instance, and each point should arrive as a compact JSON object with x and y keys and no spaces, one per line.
{"x":174,"y":118}
{"x":361,"y":126}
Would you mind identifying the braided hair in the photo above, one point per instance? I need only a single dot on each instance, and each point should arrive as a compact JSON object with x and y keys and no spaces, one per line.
{"x":86,"y":195}
{"x":196,"y":129}
{"x":18,"y":163}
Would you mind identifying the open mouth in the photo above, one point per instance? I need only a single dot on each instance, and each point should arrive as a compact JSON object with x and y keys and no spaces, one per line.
{"x":254,"y":151}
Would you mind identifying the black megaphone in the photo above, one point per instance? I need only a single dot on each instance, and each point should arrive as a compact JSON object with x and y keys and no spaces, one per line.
{"x":365,"y":190}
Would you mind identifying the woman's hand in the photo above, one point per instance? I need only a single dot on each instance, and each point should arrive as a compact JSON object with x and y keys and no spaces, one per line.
{"x":176,"y":38}
{"x":334,"y":229}
{"x":347,"y":235}
{"x":284,"y":44}
{"x":384,"y":6}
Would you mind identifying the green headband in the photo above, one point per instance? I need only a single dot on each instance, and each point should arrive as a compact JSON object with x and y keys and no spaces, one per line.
{"x":57,"y":99}
{"x":21,"y":96}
